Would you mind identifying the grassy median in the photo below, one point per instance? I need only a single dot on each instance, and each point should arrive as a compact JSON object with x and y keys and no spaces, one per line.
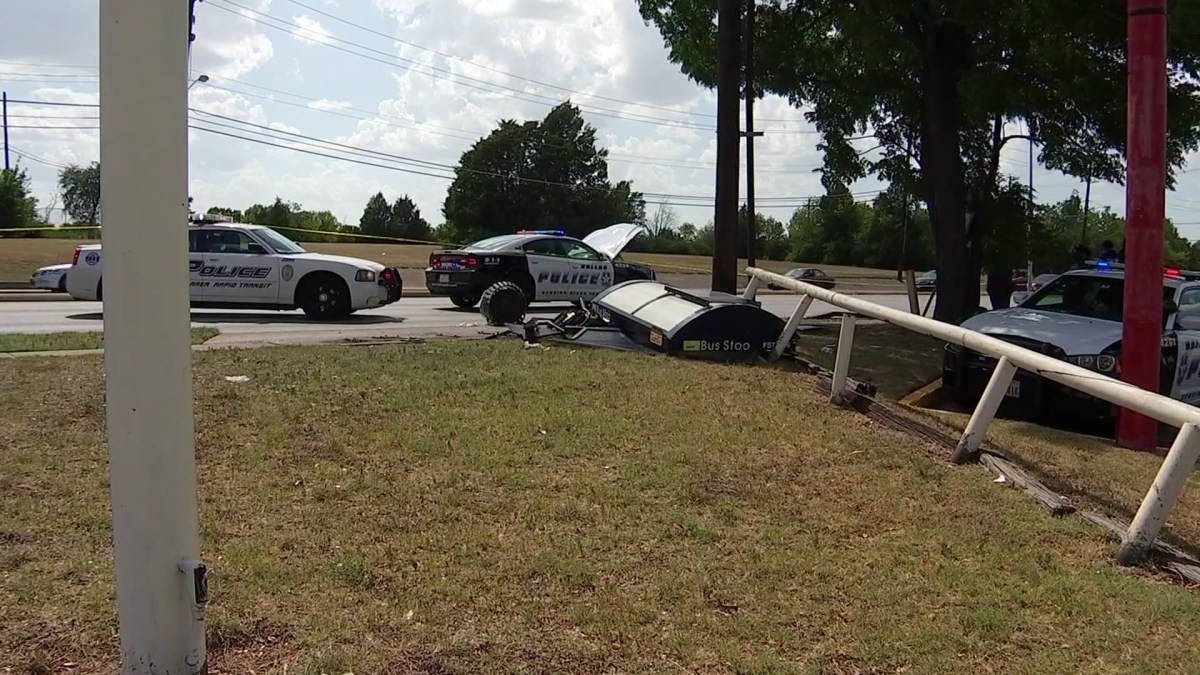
{"x":74,"y":341}
{"x":479,"y":508}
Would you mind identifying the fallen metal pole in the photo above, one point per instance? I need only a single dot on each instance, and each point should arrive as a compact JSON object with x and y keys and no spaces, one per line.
{"x":841,"y":364}
{"x":1180,"y":460}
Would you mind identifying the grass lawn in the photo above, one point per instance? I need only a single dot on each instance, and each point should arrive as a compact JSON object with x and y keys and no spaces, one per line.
{"x":473,"y":507}
{"x":19,"y":257}
{"x":894,"y":359}
{"x":68,"y":341}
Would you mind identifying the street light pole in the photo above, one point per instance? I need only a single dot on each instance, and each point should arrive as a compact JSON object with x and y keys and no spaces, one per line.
{"x":729,"y":80}
{"x":161,"y":587}
{"x":1145,"y":205}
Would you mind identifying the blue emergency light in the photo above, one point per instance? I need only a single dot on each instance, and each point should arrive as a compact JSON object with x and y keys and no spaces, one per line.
{"x":558,"y":233}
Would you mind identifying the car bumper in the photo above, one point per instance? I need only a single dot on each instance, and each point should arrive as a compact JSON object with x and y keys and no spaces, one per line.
{"x":48,"y":283}
{"x":441,"y":282}
{"x":965,"y":375}
{"x":386,"y":290}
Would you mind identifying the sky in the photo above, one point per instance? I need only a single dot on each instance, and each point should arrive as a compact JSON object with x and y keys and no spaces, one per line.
{"x":409,"y":85}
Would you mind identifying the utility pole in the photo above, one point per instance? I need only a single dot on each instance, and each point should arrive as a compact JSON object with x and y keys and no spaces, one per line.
{"x":1145,"y":210}
{"x":729,"y":76}
{"x":751,"y":229}
{"x":161,"y":587}
{"x":1087,"y":200}
{"x":4,"y":97}
{"x":903,"y":239}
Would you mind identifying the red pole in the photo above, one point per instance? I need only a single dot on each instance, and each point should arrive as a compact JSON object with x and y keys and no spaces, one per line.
{"x":1145,"y":209}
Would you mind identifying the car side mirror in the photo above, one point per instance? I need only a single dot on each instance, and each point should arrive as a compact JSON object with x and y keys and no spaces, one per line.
{"x":256,"y":249}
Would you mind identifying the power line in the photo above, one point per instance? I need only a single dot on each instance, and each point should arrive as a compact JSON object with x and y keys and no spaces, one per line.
{"x":48,"y":65}
{"x":51,"y":75}
{"x":53,"y":117}
{"x":323,"y":39}
{"x":52,"y":127}
{"x":37,"y":159}
{"x":54,"y":103}
{"x":498,"y":70}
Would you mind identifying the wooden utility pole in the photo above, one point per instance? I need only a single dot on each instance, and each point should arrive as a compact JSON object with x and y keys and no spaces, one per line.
{"x":751,"y":229}
{"x":729,"y":76}
{"x":1087,"y":203}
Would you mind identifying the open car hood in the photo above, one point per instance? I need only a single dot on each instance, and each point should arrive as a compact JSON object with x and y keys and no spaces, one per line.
{"x":613,"y":239}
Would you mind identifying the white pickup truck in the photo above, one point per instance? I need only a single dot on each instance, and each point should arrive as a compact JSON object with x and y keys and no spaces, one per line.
{"x":240,"y":266}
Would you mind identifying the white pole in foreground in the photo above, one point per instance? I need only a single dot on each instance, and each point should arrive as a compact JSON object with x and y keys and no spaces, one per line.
{"x":147,"y":354}
{"x":1163,"y":494}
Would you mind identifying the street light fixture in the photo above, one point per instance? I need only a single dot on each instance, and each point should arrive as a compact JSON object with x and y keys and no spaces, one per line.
{"x":199,"y":80}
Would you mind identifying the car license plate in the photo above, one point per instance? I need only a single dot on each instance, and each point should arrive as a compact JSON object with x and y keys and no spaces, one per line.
{"x":1014,"y":389}
{"x":443,"y":278}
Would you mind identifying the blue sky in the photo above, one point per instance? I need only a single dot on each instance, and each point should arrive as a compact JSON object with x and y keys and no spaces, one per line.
{"x":427,"y":77}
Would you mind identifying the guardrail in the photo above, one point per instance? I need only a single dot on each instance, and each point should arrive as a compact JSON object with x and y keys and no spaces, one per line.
{"x":1172,"y":475}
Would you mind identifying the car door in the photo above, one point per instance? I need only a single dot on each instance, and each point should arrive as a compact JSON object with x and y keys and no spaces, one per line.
{"x":591,"y":271}
{"x":238,"y":269}
{"x":1187,"y":343}
{"x":196,"y":283}
{"x":549,"y":268}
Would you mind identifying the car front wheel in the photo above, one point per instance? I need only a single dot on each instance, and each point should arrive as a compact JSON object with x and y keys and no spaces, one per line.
{"x":325,"y":297}
{"x":503,"y":303}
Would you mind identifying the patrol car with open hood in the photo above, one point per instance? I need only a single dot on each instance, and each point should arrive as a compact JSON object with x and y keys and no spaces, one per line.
{"x":242,"y":266}
{"x":504,"y":274}
{"x":1077,"y":317}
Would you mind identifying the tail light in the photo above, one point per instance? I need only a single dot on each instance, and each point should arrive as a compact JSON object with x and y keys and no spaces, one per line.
{"x":453,"y":261}
{"x":75,"y":260}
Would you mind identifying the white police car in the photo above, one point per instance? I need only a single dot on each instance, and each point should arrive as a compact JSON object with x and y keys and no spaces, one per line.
{"x":51,"y":277}
{"x":240,"y":266}
{"x":1077,"y":317}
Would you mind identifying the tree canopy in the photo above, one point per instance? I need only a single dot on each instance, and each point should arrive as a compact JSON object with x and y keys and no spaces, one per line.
{"x":80,"y":188}
{"x":538,"y":175}
{"x":942,"y":86}
{"x":18,"y":208}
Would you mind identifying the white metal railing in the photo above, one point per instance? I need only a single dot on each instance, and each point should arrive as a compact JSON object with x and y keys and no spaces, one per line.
{"x":1172,"y":475}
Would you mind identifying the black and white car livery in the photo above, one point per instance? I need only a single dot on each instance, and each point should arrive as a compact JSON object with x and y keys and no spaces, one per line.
{"x":241,"y":266}
{"x":504,"y":274}
{"x":1077,"y":317}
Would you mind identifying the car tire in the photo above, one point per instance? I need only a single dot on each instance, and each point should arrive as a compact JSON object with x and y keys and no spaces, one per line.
{"x":464,"y":301}
{"x":503,"y":303}
{"x":62,"y":284}
{"x":324,"y":297}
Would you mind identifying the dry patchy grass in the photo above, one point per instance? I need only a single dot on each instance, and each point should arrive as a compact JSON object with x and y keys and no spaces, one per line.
{"x":476,"y":507}
{"x":74,"y":340}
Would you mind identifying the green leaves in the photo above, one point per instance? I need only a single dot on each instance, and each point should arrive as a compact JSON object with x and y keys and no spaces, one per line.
{"x":538,"y":175}
{"x":80,"y":188}
{"x":17,"y":207}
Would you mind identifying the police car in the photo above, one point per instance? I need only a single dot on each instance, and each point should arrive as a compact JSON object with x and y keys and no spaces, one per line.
{"x":50,"y":277}
{"x":1077,"y":317}
{"x":241,"y":266}
{"x":504,"y":274}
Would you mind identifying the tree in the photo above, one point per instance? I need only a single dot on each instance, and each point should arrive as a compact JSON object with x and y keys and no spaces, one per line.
{"x":226,"y":211}
{"x":941,"y":86}
{"x":80,"y":188}
{"x":405,"y":221}
{"x":664,"y":219}
{"x":17,"y":207}
{"x":376,"y":216}
{"x":276,"y":214}
{"x":538,"y":175}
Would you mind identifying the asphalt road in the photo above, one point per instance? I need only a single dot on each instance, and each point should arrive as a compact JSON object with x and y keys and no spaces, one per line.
{"x":419,"y":317}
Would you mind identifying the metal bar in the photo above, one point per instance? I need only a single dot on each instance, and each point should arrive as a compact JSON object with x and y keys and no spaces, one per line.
{"x":751,"y":291}
{"x":1162,"y":408}
{"x":1163,"y":494}
{"x":152,"y":471}
{"x":910,"y":285}
{"x":841,"y":366}
{"x":5,"y":114}
{"x":985,"y":411}
{"x":785,"y":338}
{"x":1145,"y":204}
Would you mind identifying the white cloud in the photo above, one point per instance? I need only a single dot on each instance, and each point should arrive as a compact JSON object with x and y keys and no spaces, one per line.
{"x":243,"y":56}
{"x":326,"y":104}
{"x":310,"y":30}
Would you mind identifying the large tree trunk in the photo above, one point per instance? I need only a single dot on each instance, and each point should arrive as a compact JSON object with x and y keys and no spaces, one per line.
{"x":942,"y":169}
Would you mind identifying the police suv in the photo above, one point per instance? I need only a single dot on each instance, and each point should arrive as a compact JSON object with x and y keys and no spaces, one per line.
{"x":504,"y":274}
{"x":240,"y":266}
{"x":1077,"y":317}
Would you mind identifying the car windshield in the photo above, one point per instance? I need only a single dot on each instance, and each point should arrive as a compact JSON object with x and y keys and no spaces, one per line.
{"x":1093,"y":297}
{"x":491,"y":244}
{"x":278,"y":242}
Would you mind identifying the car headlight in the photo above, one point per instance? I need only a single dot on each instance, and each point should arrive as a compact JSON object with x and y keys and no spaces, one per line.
{"x":1101,"y":363}
{"x":365,"y":275}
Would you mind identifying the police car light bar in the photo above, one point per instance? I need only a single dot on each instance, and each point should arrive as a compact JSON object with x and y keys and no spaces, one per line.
{"x":553,"y":232}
